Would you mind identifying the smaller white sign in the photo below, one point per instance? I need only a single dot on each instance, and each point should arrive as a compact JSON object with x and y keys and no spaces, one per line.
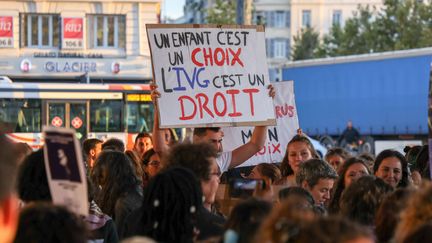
{"x":65,"y":169}
{"x":277,"y":136}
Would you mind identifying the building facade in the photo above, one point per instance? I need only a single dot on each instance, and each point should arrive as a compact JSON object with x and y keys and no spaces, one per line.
{"x":284,"y":19}
{"x":69,"y":41}
{"x":195,"y":11}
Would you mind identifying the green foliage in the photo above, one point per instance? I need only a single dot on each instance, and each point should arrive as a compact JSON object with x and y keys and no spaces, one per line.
{"x":305,"y":44}
{"x":399,"y":25}
{"x":224,"y":12}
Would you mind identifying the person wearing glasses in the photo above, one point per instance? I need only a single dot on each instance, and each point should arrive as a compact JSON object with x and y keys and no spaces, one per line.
{"x":151,"y":165}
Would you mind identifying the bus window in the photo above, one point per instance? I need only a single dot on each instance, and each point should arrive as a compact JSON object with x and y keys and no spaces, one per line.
{"x":20,"y":115}
{"x":139,"y":117}
{"x":105,"y":115}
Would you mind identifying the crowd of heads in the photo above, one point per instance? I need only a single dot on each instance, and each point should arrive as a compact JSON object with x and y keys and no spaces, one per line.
{"x":173,"y":196}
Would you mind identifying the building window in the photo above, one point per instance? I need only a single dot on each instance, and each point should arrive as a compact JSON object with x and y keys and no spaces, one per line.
{"x":337,"y":17}
{"x":275,"y":19}
{"x":40,"y":31}
{"x":107,"y":31}
{"x":279,"y":19}
{"x":280,"y":48}
{"x":306,"y":18}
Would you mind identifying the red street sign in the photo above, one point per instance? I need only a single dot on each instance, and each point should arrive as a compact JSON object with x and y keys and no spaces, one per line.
{"x":76,"y":122}
{"x":57,"y":121}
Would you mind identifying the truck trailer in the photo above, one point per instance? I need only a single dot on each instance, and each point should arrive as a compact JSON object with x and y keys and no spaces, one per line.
{"x":385,"y":95}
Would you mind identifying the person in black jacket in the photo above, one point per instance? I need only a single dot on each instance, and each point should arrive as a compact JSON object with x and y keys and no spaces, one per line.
{"x":200,"y":159}
{"x":119,"y":192}
{"x":172,"y":202}
{"x":349,"y":136}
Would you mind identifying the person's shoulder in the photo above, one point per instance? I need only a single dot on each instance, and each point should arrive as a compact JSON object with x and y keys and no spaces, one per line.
{"x":209,"y":224}
{"x":133,"y":225}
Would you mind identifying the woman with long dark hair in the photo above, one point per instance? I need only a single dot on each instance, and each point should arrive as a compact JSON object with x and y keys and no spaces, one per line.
{"x":350,"y":171}
{"x":119,"y":188}
{"x":392,"y":167}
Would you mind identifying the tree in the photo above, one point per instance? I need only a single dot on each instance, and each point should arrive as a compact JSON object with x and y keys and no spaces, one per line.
{"x":224,"y":12}
{"x":400,"y":24}
{"x":305,"y":44}
{"x":356,"y":37}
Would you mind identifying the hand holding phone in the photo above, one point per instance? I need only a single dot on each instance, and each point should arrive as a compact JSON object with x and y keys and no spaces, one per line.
{"x":242,"y":187}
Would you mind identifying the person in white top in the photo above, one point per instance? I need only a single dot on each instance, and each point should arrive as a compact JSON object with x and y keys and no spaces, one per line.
{"x":214,"y":136}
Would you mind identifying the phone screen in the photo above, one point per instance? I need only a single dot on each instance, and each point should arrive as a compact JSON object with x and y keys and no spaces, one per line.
{"x":242,"y":188}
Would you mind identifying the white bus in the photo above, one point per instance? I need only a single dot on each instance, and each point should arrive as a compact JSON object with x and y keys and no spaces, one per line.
{"x":93,"y":110}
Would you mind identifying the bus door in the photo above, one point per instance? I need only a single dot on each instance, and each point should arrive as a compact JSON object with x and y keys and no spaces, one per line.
{"x":70,"y":115}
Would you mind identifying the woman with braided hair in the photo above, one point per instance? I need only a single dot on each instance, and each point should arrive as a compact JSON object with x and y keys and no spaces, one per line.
{"x":170,"y":207}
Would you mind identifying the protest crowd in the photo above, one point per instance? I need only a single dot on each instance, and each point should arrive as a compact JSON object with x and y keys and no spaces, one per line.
{"x":164,"y":190}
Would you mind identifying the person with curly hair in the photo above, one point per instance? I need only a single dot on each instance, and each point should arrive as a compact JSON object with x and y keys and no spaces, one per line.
{"x":360,"y":201}
{"x":417,"y":213}
{"x":389,"y":211}
{"x":170,"y":208}
{"x":285,"y":220}
{"x":334,"y":230}
{"x":48,"y":223}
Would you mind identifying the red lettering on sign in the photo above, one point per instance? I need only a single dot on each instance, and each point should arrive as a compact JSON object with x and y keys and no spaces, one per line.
{"x":215,"y":107}
{"x":219,"y":57}
{"x":181,"y":99}
{"x":251,"y":101}
{"x":215,"y":102}
{"x":273,"y":149}
{"x":284,"y":110}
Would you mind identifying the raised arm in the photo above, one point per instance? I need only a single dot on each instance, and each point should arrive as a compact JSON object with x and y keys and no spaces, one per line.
{"x":158,"y":135}
{"x":244,"y":152}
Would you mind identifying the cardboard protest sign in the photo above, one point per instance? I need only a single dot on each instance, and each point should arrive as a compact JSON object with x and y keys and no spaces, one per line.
{"x":277,"y":137}
{"x":65,"y":169}
{"x":210,"y":75}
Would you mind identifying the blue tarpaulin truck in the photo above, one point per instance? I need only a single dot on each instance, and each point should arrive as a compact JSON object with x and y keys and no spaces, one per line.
{"x":384,"y":94}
